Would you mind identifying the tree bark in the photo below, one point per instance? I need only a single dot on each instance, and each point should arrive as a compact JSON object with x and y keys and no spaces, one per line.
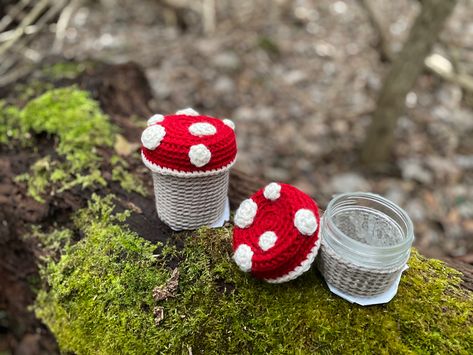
{"x":401,"y":78}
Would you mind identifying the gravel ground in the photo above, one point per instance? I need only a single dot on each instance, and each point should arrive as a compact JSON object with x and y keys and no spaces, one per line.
{"x":300,"y":79}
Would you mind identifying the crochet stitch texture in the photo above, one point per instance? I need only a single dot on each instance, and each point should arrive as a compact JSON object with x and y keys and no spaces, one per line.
{"x":188,"y":144}
{"x":189,"y":156}
{"x":276,"y":234}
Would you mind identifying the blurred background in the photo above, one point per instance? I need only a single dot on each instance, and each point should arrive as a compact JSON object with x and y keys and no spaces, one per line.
{"x":301,"y":81}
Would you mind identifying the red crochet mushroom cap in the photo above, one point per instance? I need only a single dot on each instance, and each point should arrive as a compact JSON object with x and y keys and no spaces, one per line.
{"x":188,"y":144}
{"x":276,"y":234}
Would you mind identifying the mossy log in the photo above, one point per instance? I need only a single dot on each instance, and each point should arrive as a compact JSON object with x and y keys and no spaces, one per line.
{"x":114,"y":279}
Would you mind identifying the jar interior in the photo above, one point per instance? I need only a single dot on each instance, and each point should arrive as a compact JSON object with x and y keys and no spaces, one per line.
{"x":369,"y":227}
{"x":367,"y":221}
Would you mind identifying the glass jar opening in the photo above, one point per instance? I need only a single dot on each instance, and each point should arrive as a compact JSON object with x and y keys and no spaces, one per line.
{"x":368,"y":228}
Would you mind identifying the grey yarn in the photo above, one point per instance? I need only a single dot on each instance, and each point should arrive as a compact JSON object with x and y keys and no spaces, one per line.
{"x":354,"y":279}
{"x":190,"y":202}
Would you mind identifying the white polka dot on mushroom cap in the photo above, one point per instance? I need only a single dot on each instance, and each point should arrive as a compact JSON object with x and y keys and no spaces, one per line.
{"x":267,"y":240}
{"x":152,"y":136}
{"x":305,"y":221}
{"x":272,"y":191}
{"x":201,"y":129}
{"x":199,"y":155}
{"x":242,"y":256}
{"x":229,"y":123}
{"x":246,"y":213}
{"x":155,"y":119}
{"x":188,"y":111}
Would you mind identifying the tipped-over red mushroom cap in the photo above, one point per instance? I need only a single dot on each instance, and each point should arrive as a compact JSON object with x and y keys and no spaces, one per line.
{"x":276,"y":234}
{"x":188,"y":144}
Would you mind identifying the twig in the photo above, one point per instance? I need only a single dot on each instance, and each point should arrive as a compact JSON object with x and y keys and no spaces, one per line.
{"x":181,"y":5}
{"x":21,"y":42}
{"x":28,"y":20}
{"x":37,"y":27}
{"x":8,"y":62}
{"x":56,"y":6}
{"x":15,"y":75}
{"x":8,"y":35}
{"x":208,"y":16}
{"x":13,"y":13}
{"x":63,"y":22}
{"x":383,"y":37}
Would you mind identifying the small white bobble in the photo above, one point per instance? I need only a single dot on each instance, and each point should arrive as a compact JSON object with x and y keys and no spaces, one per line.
{"x":243,"y":255}
{"x":246,"y":213}
{"x":155,"y":119}
{"x":229,"y":123}
{"x":305,"y":222}
{"x":201,"y":129}
{"x":152,"y":136}
{"x":199,"y":155}
{"x":267,"y":240}
{"x":272,"y":191}
{"x":188,"y":111}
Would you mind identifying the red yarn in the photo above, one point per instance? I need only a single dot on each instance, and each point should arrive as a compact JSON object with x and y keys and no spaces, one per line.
{"x":173,"y":150}
{"x":292,"y":248}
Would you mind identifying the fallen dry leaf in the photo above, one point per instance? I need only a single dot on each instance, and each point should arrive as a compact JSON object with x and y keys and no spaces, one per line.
{"x":124,"y":147}
{"x":168,"y":289}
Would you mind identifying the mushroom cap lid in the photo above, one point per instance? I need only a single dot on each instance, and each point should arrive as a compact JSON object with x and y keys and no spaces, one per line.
{"x":188,"y":144}
{"x":276,"y":234}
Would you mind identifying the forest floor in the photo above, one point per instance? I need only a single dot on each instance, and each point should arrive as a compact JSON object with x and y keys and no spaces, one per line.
{"x":300,"y":81}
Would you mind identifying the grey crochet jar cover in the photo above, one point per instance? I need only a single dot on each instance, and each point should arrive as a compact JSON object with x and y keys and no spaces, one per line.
{"x":190,"y":156}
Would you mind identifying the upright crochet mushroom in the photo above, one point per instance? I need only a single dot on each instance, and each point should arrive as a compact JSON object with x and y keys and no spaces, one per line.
{"x":189,"y":156}
{"x":276,"y":234}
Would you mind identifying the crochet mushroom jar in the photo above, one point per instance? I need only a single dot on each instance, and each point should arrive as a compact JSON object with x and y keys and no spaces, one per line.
{"x":190,"y":156}
{"x":276,"y":234}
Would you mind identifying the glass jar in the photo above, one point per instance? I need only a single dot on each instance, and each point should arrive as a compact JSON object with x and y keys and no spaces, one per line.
{"x":366,"y":241}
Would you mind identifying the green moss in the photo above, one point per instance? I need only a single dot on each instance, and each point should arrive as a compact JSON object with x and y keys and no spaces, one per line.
{"x":39,"y":177}
{"x":76,"y":120}
{"x":127,"y":181}
{"x":99,"y":300}
{"x":47,"y":77}
{"x":79,"y":126}
{"x":10,"y":127}
{"x":65,"y":70}
{"x":24,"y":92}
{"x":110,"y":273}
{"x":51,"y":242}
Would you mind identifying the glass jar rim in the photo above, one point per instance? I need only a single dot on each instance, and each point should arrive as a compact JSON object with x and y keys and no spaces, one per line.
{"x":350,"y":242}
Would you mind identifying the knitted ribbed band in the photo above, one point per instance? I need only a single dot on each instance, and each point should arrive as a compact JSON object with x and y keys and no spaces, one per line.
{"x":276,"y":234}
{"x":189,"y":203}
{"x":354,"y":279}
{"x":188,"y":144}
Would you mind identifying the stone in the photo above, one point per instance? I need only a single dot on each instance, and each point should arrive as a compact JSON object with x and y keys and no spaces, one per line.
{"x":412,"y":170}
{"x":227,"y":61}
{"x":349,"y":182}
